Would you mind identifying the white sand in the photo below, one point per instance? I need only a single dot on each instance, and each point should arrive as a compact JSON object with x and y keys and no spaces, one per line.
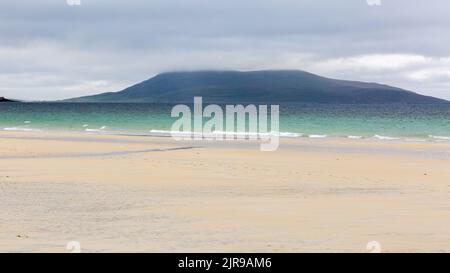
{"x":310,"y":196}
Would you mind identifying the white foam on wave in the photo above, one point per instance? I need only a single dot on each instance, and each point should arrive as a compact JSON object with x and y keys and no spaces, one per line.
{"x":289,"y":134}
{"x":354,"y":137}
{"x":19,"y":129}
{"x":439,"y":137}
{"x":96,"y":130}
{"x":318,"y":136}
{"x":385,"y":137}
{"x":159,"y":132}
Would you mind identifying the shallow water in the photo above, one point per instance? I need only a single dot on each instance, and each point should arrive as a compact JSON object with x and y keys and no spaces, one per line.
{"x":384,"y":122}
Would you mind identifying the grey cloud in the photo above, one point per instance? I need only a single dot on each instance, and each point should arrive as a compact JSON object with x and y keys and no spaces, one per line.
{"x":119,"y":42}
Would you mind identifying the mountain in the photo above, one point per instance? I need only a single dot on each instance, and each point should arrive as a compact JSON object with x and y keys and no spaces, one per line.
{"x":272,"y":86}
{"x":2,"y":99}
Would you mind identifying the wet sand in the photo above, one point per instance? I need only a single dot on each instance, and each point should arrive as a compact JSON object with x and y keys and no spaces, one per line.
{"x":152,"y":194}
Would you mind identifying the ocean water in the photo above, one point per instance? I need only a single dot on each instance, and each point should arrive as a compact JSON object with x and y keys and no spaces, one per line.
{"x":421,"y":122}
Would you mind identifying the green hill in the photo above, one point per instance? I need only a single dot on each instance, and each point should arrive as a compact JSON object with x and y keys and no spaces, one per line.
{"x":258,"y":87}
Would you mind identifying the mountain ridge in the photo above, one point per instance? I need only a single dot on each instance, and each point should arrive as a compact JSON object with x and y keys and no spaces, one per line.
{"x":264,"y":86}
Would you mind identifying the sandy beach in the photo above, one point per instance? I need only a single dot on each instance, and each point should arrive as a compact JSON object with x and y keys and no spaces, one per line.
{"x":153,"y":194}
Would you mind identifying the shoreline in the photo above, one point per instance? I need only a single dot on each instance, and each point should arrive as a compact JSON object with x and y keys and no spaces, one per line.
{"x":282,"y":135}
{"x":369,"y":146}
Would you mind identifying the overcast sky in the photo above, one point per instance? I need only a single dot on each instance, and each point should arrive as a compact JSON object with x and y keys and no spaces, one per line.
{"x":50,"y":50}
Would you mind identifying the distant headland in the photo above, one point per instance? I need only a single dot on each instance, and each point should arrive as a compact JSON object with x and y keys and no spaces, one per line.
{"x":3,"y":99}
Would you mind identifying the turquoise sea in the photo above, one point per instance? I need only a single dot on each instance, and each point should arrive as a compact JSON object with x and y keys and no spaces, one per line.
{"x":430,"y":122}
